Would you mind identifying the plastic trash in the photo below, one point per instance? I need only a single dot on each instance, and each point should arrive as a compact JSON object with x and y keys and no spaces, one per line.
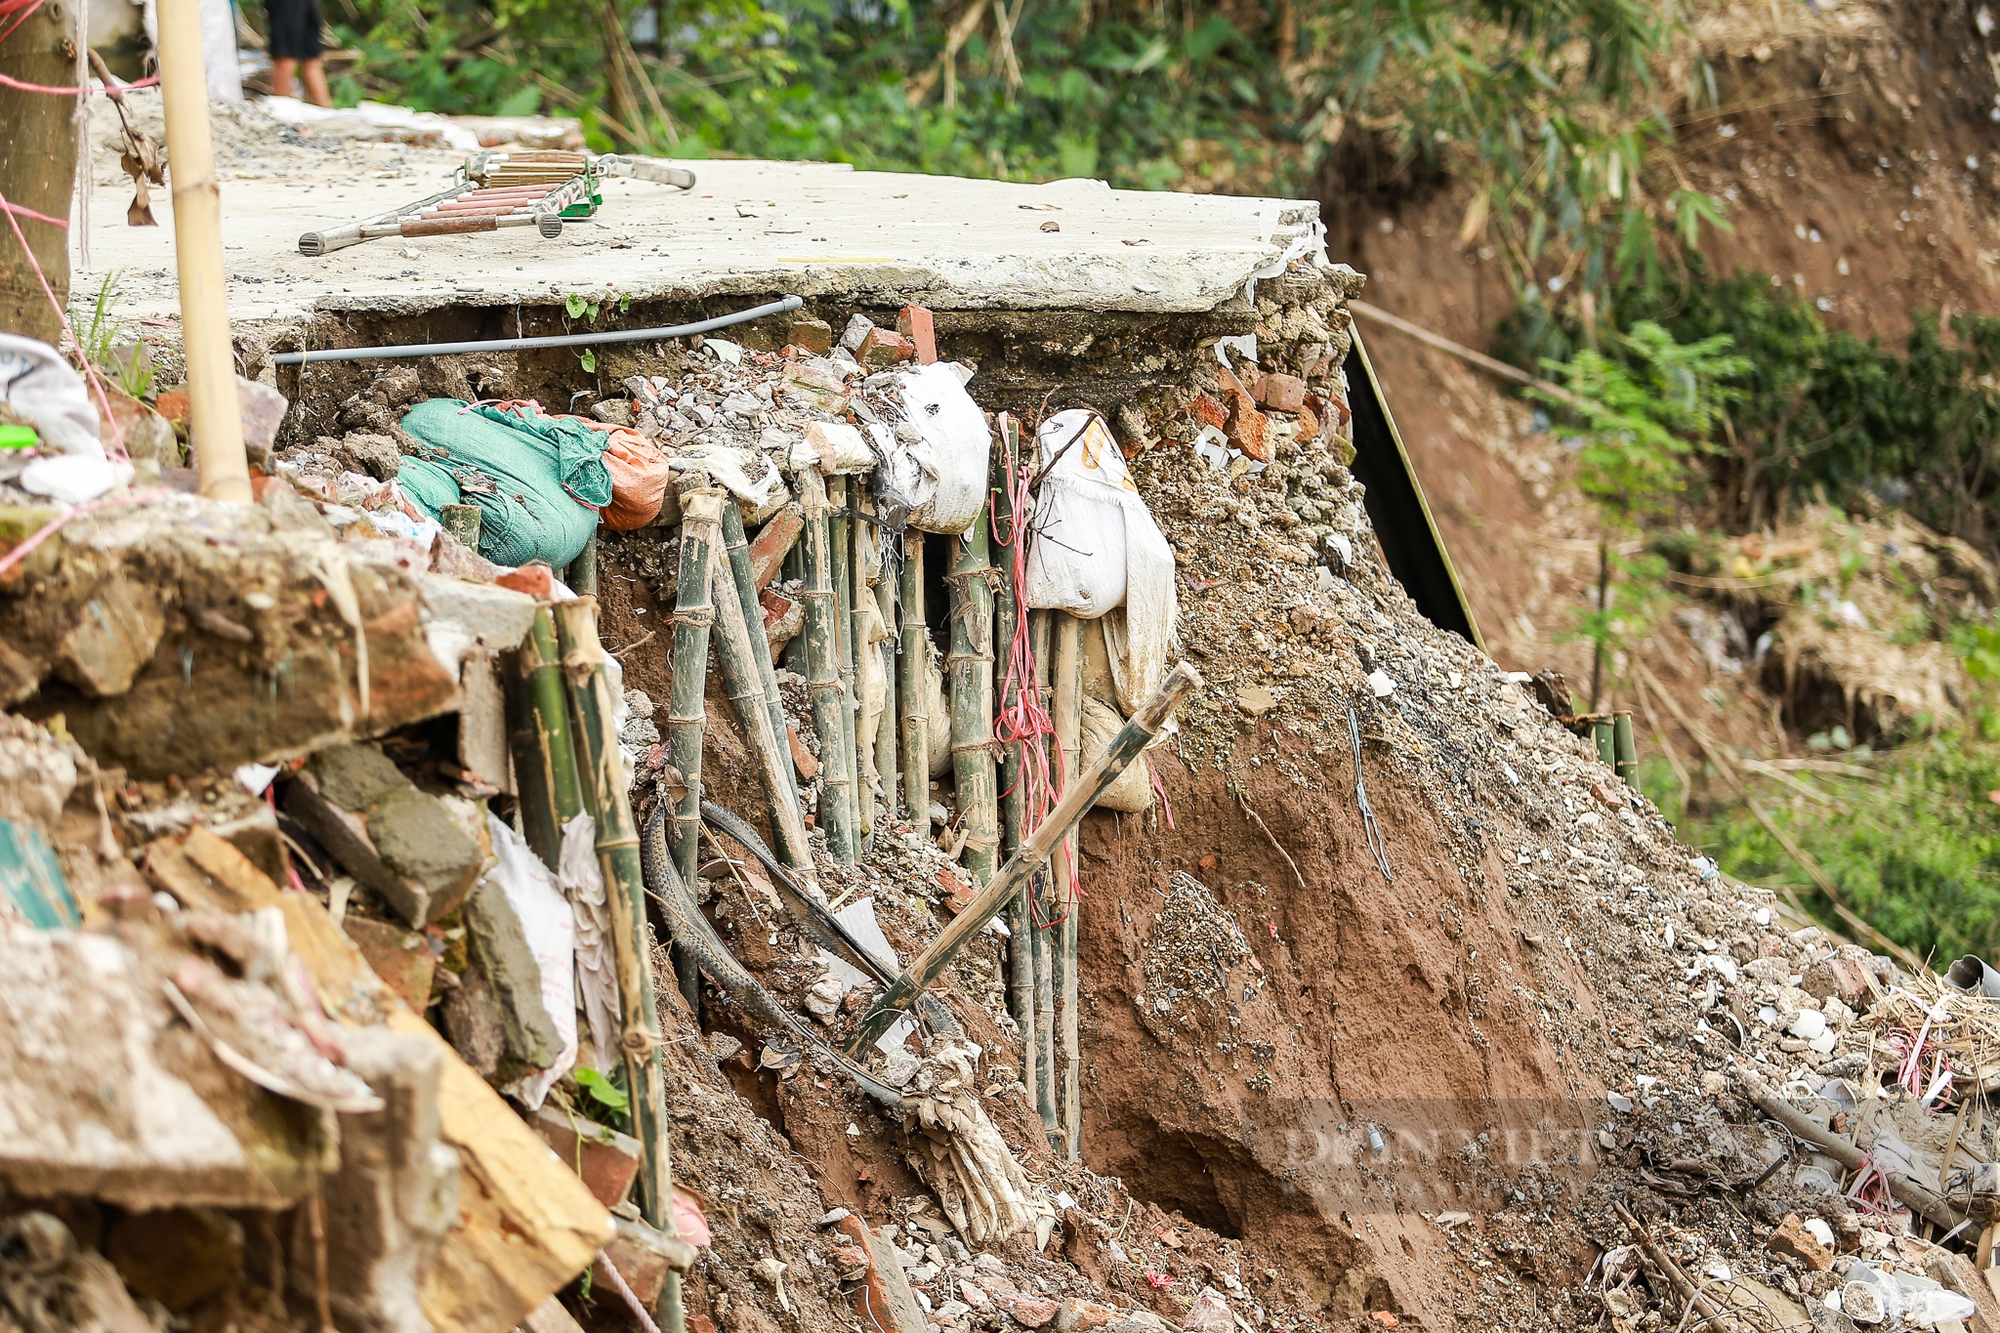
{"x":1973,"y":974}
{"x":73,"y":479}
{"x":937,"y":458}
{"x":551,"y":933}
{"x":1094,"y":549}
{"x":44,"y":392}
{"x":581,"y":876}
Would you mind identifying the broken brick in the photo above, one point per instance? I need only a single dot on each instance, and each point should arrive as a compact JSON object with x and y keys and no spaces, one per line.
{"x":1309,"y":424}
{"x":603,"y":1159}
{"x":1842,"y":978}
{"x":1792,"y":1238}
{"x":812,"y":335}
{"x":1282,"y":393}
{"x":773,"y":542}
{"x":1246,"y":428}
{"x":914,"y":322}
{"x":1208,"y":411}
{"x":401,"y":957}
{"x":882,"y":348}
{"x":802,"y":758}
{"x":535,"y":579}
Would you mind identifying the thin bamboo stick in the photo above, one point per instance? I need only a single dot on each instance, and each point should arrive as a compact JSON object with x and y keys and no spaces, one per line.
{"x":1068,"y":719}
{"x":868,"y":775}
{"x":913,"y":647}
{"x":734,"y":541}
{"x":841,"y":537}
{"x":603,"y":783}
{"x":736,"y":654}
{"x":1041,"y":937}
{"x":1013,"y":793}
{"x":971,"y":665}
{"x":897,"y":997}
{"x":822,"y":650}
{"x":886,"y":769}
{"x":538,"y":733}
{"x":694,"y":613}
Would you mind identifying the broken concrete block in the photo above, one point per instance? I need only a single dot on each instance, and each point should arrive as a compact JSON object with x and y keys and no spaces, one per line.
{"x":602,"y":1158}
{"x":397,"y":840}
{"x":812,"y":335}
{"x":395,"y":1196}
{"x":165,"y":1123}
{"x":372,"y":455}
{"x":464,"y":614}
{"x":482,"y":722}
{"x":113,"y":636}
{"x":858,"y":328}
{"x":500,"y":946}
{"x":914,"y":322}
{"x":882,"y":349}
{"x":472,"y":1023}
{"x":401,"y":957}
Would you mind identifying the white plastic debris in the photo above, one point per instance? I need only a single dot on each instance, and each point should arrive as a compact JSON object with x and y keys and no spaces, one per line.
{"x":1341,"y":547}
{"x":72,"y":479}
{"x":937,"y":458}
{"x":550,"y":929}
{"x":254,"y":778}
{"x":1382,"y":683}
{"x":41,"y":389}
{"x":1619,"y":1102}
{"x":727,"y":352}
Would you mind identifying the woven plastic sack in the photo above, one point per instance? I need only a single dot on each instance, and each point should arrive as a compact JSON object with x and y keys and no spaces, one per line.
{"x":1132,"y":793}
{"x":1095,"y":551}
{"x":937,"y":458}
{"x":639,"y":475}
{"x":539,"y":481}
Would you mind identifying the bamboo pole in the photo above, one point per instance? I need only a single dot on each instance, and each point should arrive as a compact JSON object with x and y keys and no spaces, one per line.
{"x":1041,"y":937}
{"x":1013,"y":793}
{"x":1126,"y":746}
{"x":694,"y":613}
{"x":867,"y":790}
{"x":581,"y":576}
{"x":463,"y":523}
{"x":603,"y":784}
{"x":822,"y":650}
{"x":971,"y":665}
{"x":887,"y":772}
{"x":215,"y":417}
{"x":538,"y":733}
{"x":841,"y":537}
{"x":1068,"y":719}
{"x":736,"y":654}
{"x":913,"y":648}
{"x":738,"y":547}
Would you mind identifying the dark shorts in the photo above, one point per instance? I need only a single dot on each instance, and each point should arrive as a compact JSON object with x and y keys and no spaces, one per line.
{"x":295,"y":26}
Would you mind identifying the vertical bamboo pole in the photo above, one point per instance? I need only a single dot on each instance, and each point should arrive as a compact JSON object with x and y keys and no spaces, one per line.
{"x":886,"y":769}
{"x":538,"y":733}
{"x":215,"y":417}
{"x":822,"y":650}
{"x":1038,"y":904}
{"x":1068,"y":719}
{"x":971,"y":664}
{"x":581,"y":576}
{"x":1013,"y":791}
{"x":733,"y":649}
{"x":841,"y":538}
{"x":603,"y":783}
{"x":913,"y":649}
{"x":694,"y":613}
{"x":866,"y":791}
{"x":738,"y":546}
{"x":463,"y":523}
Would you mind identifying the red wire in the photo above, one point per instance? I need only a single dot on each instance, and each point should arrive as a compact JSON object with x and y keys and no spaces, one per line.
{"x":31,"y":213}
{"x":10,"y":6}
{"x":1022,"y":720}
{"x":54,"y":91}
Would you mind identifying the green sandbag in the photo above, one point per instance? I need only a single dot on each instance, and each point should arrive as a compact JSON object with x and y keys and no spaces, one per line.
{"x":538,"y":481}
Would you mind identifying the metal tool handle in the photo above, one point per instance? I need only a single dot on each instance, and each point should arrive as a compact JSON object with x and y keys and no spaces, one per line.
{"x":645,"y":169}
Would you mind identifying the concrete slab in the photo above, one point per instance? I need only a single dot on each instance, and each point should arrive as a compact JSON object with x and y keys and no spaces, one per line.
{"x":747,"y":228}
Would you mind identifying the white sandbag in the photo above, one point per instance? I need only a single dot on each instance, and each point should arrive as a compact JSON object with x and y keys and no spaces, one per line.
{"x":937,"y":458}
{"x":42,"y":391}
{"x":835,"y":448}
{"x":1094,"y":548}
{"x":550,"y":929}
{"x":940,"y":702}
{"x":1132,"y":793}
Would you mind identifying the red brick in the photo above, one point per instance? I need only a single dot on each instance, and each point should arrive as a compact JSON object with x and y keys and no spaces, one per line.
{"x":915,"y":323}
{"x":1282,"y":393}
{"x":1208,"y":411}
{"x":605,"y":1160}
{"x":1309,"y":425}
{"x":402,"y":958}
{"x":802,"y":758}
{"x":1246,"y":427}
{"x":536,"y":579}
{"x":1793,"y":1239}
{"x":173,"y":405}
{"x":882,"y":349}
{"x":813,"y":335}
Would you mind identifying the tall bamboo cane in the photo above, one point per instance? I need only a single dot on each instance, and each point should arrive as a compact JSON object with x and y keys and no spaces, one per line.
{"x":581,"y":576}
{"x":1127,"y":745}
{"x":886,"y":772}
{"x":867,"y":791}
{"x":736,"y":653}
{"x":836,"y":812}
{"x":840,"y":535}
{"x":538,"y":733}
{"x":1038,"y":902}
{"x":913,"y":648}
{"x":694,"y":613}
{"x":1013,"y":792}
{"x":603,"y":783}
{"x":971,"y":664}
{"x":734,"y":541}
{"x":1068,"y":719}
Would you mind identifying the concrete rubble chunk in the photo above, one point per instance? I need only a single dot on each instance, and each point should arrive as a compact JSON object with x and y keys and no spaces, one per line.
{"x":114,"y":636}
{"x":397,"y":840}
{"x":465,"y":614}
{"x":500,"y":946}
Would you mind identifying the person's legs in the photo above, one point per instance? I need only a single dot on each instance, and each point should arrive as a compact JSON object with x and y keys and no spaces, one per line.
{"x":315,"y":80}
{"x":281,"y":75}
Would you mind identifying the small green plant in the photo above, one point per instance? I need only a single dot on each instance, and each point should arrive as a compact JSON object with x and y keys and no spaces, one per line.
{"x":1645,"y":413}
{"x":100,"y":338}
{"x":602,"y":1090}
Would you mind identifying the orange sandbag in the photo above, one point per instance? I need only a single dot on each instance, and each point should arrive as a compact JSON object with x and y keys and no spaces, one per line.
{"x":639,"y":477}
